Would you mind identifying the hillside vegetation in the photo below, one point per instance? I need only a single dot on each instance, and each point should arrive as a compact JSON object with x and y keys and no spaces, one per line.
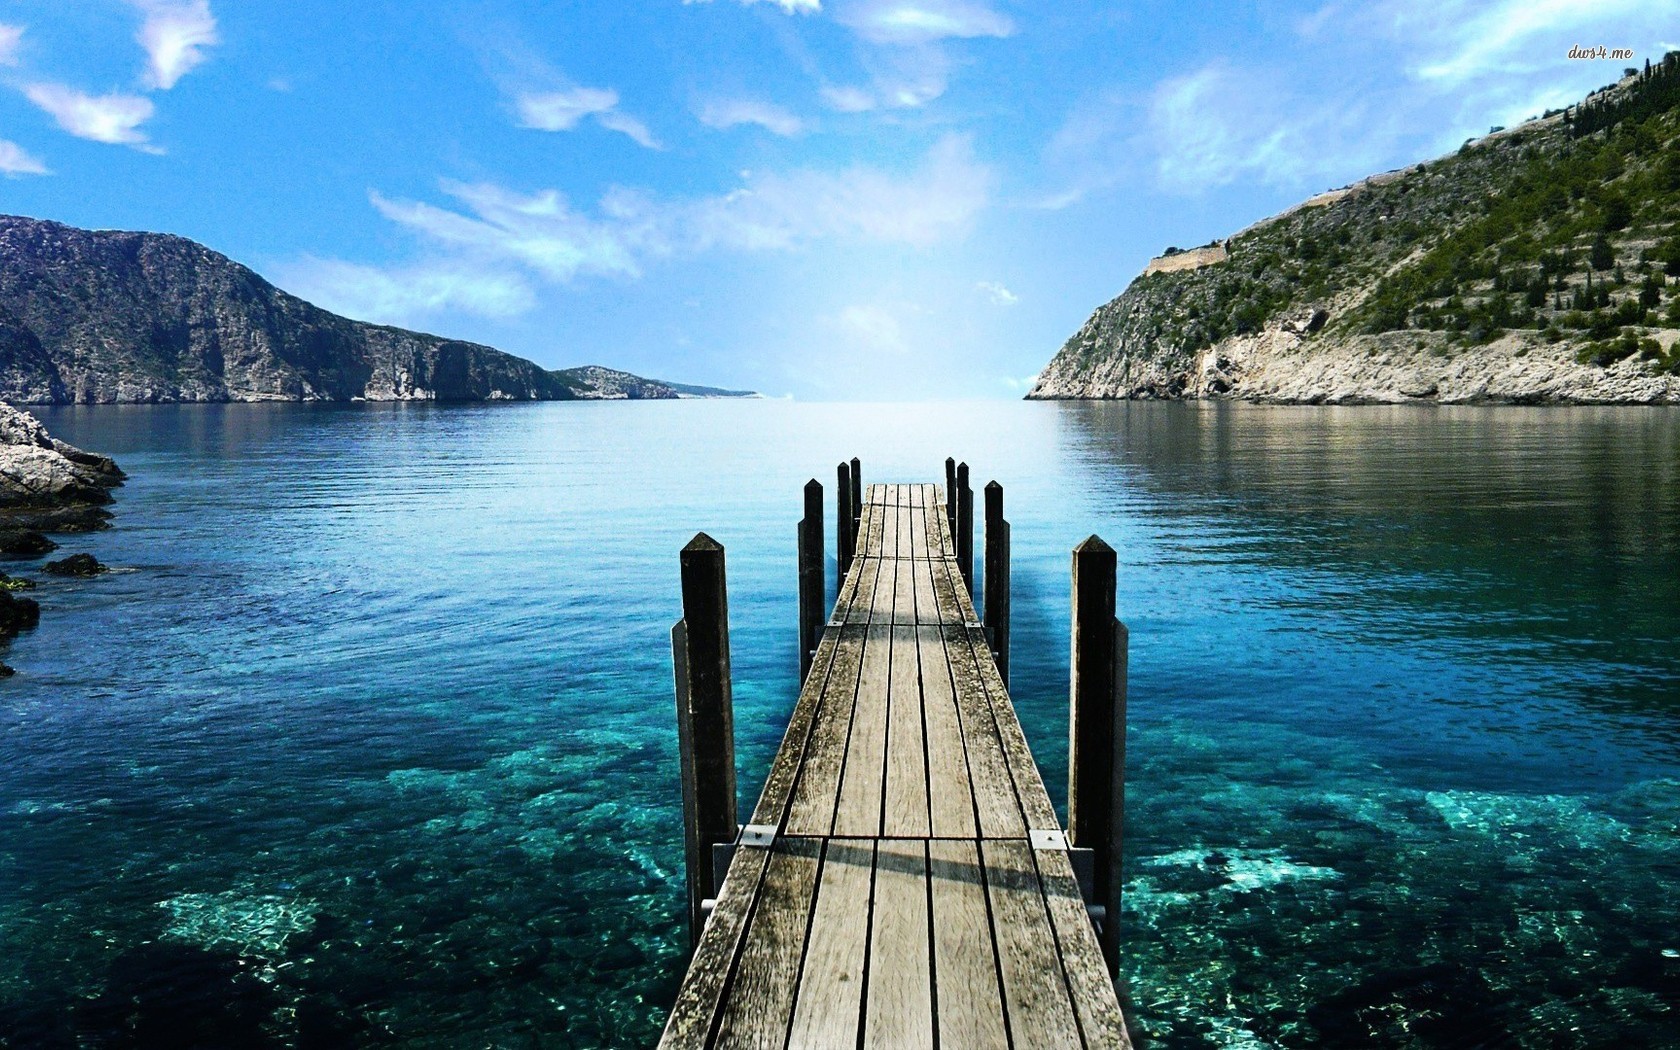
{"x":1558,"y":241}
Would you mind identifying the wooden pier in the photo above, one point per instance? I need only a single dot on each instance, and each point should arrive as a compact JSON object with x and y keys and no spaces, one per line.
{"x":903,"y":880}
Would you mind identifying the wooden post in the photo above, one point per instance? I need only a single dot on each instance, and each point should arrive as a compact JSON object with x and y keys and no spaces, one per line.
{"x":997,"y":579}
{"x":843,"y":535}
{"x":857,"y":499}
{"x":965,"y":527}
{"x":1097,"y":732}
{"x":705,"y":718}
{"x":811,"y":583}
{"x":951,"y":496}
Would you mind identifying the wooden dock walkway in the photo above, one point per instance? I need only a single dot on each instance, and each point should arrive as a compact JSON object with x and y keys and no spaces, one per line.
{"x":903,"y":880}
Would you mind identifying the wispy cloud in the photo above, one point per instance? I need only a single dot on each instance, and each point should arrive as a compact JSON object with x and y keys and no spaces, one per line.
{"x":792,"y":7}
{"x":407,"y":295}
{"x":114,"y":118}
{"x":727,"y":113}
{"x":540,"y":231}
{"x":1477,"y":40}
{"x":492,"y":230}
{"x":564,"y":108}
{"x":175,"y":34}
{"x":11,"y":42}
{"x":906,"y":51}
{"x":923,"y":21}
{"x":15,"y":161}
{"x":997,"y":294}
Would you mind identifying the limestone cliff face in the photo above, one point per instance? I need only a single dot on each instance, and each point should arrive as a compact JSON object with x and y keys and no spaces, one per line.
{"x":94,"y":317}
{"x":1536,"y":265}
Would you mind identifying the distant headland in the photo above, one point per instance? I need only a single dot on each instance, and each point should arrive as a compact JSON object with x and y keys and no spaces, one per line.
{"x":95,"y":317}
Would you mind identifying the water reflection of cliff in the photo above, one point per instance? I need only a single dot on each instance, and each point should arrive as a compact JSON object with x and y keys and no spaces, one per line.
{"x":1545,"y":535}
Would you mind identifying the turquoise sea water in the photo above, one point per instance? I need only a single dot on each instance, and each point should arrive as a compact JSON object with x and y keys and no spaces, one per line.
{"x":369,"y":738}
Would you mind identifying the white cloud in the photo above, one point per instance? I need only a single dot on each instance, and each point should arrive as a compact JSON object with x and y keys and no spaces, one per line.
{"x":1220,"y":124}
{"x":113,"y":118}
{"x":564,"y":108}
{"x":997,"y":294}
{"x":406,"y":295}
{"x":939,"y":199}
{"x":625,"y":124}
{"x":540,"y":231}
{"x":175,"y":34}
{"x":1510,"y":36}
{"x":923,"y":21}
{"x":727,"y":113}
{"x":11,"y":41}
{"x":848,"y":99}
{"x":792,"y":7}
{"x":491,"y":230}
{"x":15,"y":161}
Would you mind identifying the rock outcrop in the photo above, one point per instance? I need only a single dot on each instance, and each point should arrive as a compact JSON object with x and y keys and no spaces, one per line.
{"x":100,"y":316}
{"x":1540,"y":264}
{"x":47,"y":484}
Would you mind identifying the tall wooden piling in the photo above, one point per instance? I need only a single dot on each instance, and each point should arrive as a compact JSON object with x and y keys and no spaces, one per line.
{"x":965,"y":527}
{"x":705,"y":718}
{"x":997,"y":579}
{"x":844,"y":537}
{"x":811,"y":582}
{"x":951,"y":494}
{"x":1097,"y":732}
{"x":857,"y":498}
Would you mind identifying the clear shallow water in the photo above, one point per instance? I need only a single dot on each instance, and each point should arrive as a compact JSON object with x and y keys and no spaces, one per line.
{"x":371,"y":736}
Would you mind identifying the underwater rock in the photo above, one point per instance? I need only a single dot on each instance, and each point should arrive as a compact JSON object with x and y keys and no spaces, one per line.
{"x":24,"y":543}
{"x":83,"y":565}
{"x":17,"y":614}
{"x":178,"y":995}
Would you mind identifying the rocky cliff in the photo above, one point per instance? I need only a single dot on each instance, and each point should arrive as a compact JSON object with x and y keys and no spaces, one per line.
{"x":1538,"y":264}
{"x":101,"y":316}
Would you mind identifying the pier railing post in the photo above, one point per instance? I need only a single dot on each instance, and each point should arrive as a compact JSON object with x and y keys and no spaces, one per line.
{"x":843,"y":536}
{"x":1097,"y":732}
{"x":857,"y":499}
{"x":811,"y":582}
{"x":705,"y":719}
{"x":997,"y":579}
{"x":951,"y":496}
{"x":965,"y":527}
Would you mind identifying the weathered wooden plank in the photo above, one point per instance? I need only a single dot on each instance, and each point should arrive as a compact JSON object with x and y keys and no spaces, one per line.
{"x":889,"y":532}
{"x":904,"y":582}
{"x":690,"y":1024}
{"x":858,"y":811}
{"x":964,"y":958}
{"x":828,"y":1009}
{"x":1029,"y":784}
{"x":900,"y":1004}
{"x":859,"y":607}
{"x":1094,"y":1001}
{"x":906,"y":811}
{"x":760,"y":1002}
{"x":811,"y":811}
{"x":904,"y":545}
{"x":996,"y":807}
{"x":950,"y":798}
{"x":784,"y":768}
{"x":1035,"y":993}
{"x":927,"y":604}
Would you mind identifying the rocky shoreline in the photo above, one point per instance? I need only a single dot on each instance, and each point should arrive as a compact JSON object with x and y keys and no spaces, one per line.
{"x":46,"y":486}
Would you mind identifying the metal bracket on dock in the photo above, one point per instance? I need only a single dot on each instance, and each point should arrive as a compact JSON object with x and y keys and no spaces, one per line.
{"x":758,"y":835}
{"x":762,"y":836}
{"x":1052,"y":838}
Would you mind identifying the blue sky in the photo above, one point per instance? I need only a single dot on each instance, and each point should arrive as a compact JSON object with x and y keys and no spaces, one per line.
{"x":896,"y":199}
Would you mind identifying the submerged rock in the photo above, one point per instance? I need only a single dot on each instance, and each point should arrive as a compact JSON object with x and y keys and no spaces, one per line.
{"x":83,"y":565}
{"x":13,"y":583}
{"x":24,"y":543}
{"x":17,"y":614}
